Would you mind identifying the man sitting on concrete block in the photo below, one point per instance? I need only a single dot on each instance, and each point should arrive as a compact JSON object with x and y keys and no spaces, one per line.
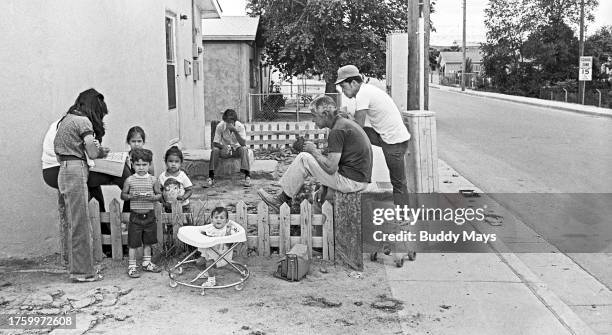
{"x":347,"y":168}
{"x":230,"y":141}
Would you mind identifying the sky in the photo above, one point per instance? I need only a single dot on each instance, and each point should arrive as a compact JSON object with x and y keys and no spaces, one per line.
{"x":448,"y":19}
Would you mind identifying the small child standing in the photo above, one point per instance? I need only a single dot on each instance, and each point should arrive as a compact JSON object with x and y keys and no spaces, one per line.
{"x":221,"y":226}
{"x":142,"y":191}
{"x":136,"y":140}
{"x":175,"y":183}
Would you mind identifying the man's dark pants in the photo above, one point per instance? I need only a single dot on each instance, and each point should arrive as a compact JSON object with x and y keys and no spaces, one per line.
{"x":394,"y":157}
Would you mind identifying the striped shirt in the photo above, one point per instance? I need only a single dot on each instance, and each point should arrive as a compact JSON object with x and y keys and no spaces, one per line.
{"x":139,"y":185}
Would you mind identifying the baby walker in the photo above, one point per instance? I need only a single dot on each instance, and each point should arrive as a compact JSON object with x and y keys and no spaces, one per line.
{"x":194,"y":236}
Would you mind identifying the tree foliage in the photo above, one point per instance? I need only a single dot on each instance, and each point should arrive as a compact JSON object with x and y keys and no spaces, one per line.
{"x":554,"y":49}
{"x":599,"y":45}
{"x":532,"y":42}
{"x":319,"y":36}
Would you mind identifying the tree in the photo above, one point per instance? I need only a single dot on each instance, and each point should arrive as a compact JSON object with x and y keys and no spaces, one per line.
{"x":433,"y":58}
{"x":468,"y":65}
{"x":522,"y":44}
{"x":319,"y":36}
{"x":553,"y":48}
{"x":599,"y":45}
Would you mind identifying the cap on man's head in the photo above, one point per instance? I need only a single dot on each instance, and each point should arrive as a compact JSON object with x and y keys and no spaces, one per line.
{"x":346,"y":72}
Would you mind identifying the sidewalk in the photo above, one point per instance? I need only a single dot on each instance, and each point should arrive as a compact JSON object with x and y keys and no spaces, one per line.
{"x":541,"y":292}
{"x":566,"y":106}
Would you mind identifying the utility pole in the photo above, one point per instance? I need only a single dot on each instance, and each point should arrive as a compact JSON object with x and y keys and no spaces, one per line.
{"x":463,"y":47}
{"x":413,"y":55}
{"x":425,"y":52}
{"x":581,"y":83}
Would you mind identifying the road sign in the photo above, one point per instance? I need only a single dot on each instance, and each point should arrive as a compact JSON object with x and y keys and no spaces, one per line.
{"x":585,"y":73}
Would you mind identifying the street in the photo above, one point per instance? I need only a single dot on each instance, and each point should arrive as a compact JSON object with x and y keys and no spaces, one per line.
{"x":550,"y":168}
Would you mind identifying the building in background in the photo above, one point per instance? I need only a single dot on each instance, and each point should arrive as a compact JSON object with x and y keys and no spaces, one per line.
{"x":232,"y":68}
{"x":450,"y":62}
{"x":144,"y":56}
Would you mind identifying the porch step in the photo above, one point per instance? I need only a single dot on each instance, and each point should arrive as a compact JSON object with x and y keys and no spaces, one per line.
{"x":197,"y":161}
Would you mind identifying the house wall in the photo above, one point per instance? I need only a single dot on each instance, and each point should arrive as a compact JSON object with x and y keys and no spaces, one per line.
{"x":51,"y":51}
{"x":450,"y":68}
{"x":226,"y":77}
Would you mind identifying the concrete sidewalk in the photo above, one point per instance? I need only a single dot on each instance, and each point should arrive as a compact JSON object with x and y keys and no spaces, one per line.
{"x":565,"y":106}
{"x":498,"y":292}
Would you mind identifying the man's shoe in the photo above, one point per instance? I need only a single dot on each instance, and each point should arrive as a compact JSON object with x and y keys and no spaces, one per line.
{"x":247,"y":182}
{"x":210,"y":182}
{"x":273,"y":201}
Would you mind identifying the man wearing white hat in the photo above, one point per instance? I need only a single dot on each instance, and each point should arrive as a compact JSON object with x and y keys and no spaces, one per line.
{"x":387,"y":131}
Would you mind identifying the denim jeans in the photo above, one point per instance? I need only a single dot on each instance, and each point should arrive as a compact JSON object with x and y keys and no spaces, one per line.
{"x":72,"y":182}
{"x":394,"y":157}
{"x":306,"y":165}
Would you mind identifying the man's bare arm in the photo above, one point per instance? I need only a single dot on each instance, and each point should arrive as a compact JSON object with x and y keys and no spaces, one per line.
{"x":329,"y":164}
{"x":360,"y":116}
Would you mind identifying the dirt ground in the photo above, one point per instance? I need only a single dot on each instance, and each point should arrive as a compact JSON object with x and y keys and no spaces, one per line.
{"x":330,"y":300}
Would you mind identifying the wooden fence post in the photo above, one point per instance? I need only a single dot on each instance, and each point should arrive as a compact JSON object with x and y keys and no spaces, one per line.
{"x":284,"y":230}
{"x":160,"y":226}
{"x":64,"y":230}
{"x":96,"y":237}
{"x":328,"y":231}
{"x":263,"y":230}
{"x":306,"y":226}
{"x":177,"y":222}
{"x":115,"y":226}
{"x":242,"y":219}
{"x":347,"y":229}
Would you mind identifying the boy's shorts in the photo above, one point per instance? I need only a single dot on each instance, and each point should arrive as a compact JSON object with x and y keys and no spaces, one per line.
{"x":142,"y":229}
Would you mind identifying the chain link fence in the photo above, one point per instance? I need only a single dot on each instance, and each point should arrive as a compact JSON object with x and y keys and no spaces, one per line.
{"x":594,"y":97}
{"x":279,"y":106}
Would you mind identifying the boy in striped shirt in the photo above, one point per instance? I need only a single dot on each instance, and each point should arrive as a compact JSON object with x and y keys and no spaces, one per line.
{"x":142,"y":190}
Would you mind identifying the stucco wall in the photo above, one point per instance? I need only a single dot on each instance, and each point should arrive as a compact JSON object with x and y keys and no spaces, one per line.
{"x":51,"y":51}
{"x":226,"y":78}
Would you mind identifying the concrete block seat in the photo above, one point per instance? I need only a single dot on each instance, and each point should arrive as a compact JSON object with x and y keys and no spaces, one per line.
{"x":197,"y":162}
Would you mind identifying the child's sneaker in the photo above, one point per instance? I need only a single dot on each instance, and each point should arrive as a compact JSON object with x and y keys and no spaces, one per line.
{"x":133,"y":272}
{"x":150,"y":267}
{"x":210,"y":282}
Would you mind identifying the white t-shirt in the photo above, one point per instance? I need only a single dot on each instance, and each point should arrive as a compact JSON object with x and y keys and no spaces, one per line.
{"x":230,"y":228}
{"x":48,"y":158}
{"x":382,"y":113}
{"x":225,"y":137}
{"x":182,"y":180}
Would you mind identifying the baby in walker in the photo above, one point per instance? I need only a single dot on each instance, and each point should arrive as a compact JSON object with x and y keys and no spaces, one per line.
{"x":220,"y":225}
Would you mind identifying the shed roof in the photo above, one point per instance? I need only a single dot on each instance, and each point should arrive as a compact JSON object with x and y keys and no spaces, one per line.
{"x":457,"y":56}
{"x":230,"y":28}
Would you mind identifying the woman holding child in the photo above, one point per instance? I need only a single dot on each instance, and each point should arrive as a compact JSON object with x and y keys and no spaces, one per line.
{"x":76,"y":139}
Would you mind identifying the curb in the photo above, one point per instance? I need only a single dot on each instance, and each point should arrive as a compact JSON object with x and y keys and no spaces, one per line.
{"x":505,"y":97}
{"x":561,"y":311}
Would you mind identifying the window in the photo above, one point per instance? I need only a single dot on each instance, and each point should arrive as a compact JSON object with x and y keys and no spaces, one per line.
{"x":252,"y":74}
{"x":171,"y":62}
